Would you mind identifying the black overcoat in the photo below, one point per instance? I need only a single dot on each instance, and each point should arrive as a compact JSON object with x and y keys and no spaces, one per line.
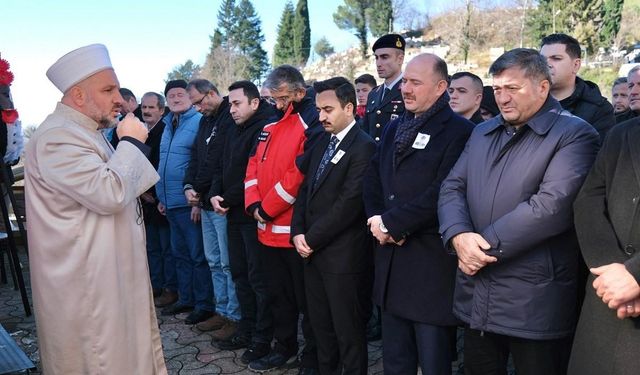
{"x":415,"y":281}
{"x":609,"y":233}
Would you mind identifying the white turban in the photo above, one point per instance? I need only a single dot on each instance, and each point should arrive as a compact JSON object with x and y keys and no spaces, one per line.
{"x":78,"y":65}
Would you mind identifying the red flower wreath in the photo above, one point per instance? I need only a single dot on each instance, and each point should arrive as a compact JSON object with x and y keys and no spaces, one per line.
{"x":6,"y":77}
{"x":9,"y":116}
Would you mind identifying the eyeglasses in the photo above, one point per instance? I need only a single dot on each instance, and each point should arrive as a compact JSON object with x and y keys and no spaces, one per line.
{"x":269,"y":99}
{"x":199,"y":101}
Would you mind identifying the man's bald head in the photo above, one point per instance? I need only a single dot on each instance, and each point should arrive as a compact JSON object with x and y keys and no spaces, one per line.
{"x":424,"y":81}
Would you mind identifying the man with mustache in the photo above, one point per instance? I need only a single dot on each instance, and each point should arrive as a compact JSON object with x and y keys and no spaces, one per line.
{"x":162,"y":267}
{"x":414,"y":275}
{"x":328,"y":231}
{"x":91,"y":290}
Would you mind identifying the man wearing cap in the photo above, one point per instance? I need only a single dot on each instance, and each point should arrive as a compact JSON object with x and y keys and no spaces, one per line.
{"x":195,"y":289}
{"x":385,"y":103}
{"x":91,"y":291}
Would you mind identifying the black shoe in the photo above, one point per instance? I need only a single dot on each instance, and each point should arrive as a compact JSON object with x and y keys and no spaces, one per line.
{"x":256,"y":350}
{"x":176,"y":308}
{"x":270,"y":362}
{"x":308,"y":371}
{"x":198,"y":316}
{"x":234,"y":343}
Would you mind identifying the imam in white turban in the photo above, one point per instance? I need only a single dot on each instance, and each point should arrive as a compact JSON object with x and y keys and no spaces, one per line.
{"x":78,"y":65}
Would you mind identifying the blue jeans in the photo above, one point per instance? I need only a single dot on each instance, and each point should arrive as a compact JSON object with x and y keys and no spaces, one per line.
{"x":194,"y":277}
{"x":214,"y":235}
{"x":162,"y":266}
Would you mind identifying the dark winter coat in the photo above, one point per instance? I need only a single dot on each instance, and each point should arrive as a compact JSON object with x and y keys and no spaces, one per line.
{"x":609,"y":233}
{"x":209,"y":127}
{"x":588,"y":103}
{"x":231,"y":151}
{"x":521,"y":204}
{"x":415,"y":281}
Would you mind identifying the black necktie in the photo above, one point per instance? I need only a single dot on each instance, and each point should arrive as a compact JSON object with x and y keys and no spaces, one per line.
{"x":385,"y":93}
{"x":328,"y":154}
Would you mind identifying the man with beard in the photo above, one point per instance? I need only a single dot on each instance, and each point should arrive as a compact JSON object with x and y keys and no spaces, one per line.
{"x":414,"y":275}
{"x":91,"y":291}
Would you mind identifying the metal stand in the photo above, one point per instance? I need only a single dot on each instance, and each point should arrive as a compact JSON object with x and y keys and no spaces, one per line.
{"x":14,"y":262}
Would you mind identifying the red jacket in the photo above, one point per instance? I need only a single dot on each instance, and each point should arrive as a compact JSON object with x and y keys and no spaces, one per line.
{"x":273,"y":179}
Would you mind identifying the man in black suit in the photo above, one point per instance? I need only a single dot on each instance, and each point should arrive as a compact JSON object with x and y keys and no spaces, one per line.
{"x":329,"y":231}
{"x":384,"y":103}
{"x":608,"y":227}
{"x":414,"y":275}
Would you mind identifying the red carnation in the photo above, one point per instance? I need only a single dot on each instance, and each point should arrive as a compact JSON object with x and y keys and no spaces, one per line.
{"x":6,"y":77}
{"x":9,"y":116}
{"x":4,"y":65}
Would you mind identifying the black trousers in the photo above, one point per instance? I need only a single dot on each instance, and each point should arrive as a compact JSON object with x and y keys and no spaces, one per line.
{"x":339,"y":307}
{"x":487,"y":354}
{"x":407,"y":344}
{"x":286,"y":290}
{"x":248,"y":271}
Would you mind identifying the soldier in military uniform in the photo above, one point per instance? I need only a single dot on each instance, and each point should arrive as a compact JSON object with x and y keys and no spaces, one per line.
{"x":384,"y":103}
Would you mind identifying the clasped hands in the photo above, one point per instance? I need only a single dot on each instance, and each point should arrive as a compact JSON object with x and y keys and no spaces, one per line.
{"x":383,"y":238}
{"x":617,"y":288}
{"x":471,"y":250}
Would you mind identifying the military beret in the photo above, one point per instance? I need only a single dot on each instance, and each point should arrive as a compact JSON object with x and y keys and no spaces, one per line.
{"x":389,"y":41}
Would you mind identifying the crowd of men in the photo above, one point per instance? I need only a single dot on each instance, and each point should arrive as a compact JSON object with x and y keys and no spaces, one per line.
{"x":445,"y":202}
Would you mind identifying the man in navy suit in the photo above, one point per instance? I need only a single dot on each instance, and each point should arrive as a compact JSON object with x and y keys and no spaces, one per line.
{"x":414,"y":275}
{"x":329,"y":231}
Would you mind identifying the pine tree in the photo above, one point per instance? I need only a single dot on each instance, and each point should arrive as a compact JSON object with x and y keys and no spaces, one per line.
{"x":302,"y":33}
{"x":612,"y":21}
{"x":284,"y":50}
{"x":186,"y":71}
{"x":249,"y":38}
{"x":380,"y":17}
{"x":352,"y":16}
{"x":224,"y":34}
{"x":323,"y":48}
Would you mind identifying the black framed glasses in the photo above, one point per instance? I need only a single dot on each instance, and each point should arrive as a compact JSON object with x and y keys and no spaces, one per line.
{"x":199,"y":101}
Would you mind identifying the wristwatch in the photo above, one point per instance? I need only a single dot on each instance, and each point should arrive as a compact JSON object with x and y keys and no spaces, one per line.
{"x":383,"y":229}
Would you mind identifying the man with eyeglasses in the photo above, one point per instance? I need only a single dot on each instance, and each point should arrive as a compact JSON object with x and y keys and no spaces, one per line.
{"x":194,"y":278}
{"x":206,"y":99}
{"x":274,"y":175}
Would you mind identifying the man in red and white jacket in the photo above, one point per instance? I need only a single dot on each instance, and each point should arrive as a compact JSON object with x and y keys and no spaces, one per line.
{"x":271,"y":186}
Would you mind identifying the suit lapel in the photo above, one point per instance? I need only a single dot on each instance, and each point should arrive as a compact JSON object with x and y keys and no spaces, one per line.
{"x":344,"y":146}
{"x":633,"y":139}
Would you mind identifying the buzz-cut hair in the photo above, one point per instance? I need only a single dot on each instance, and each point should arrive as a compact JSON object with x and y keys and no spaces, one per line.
{"x":476,"y":81}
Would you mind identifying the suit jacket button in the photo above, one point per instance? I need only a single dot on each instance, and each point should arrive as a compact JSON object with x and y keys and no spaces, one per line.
{"x":635,"y":200}
{"x":378,"y":112}
{"x":377,"y":125}
{"x":377,"y":139}
{"x":392,"y":197}
{"x":629,"y":250}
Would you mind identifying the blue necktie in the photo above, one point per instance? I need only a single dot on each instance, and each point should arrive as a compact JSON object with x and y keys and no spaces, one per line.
{"x":328,"y":154}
